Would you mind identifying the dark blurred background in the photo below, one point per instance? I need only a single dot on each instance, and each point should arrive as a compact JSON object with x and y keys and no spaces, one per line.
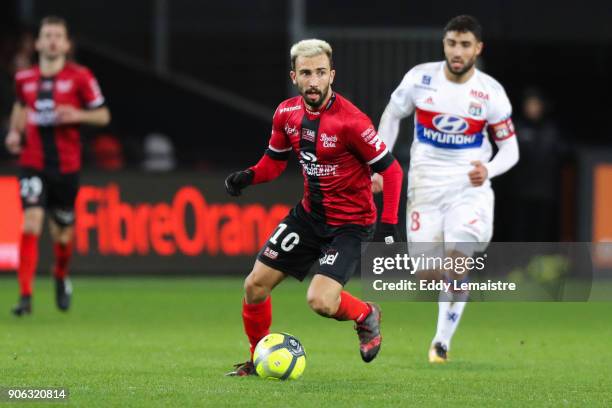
{"x":192,"y":85}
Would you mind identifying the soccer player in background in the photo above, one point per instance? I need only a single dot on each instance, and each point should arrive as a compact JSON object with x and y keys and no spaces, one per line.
{"x":53,"y":99}
{"x":337,"y":147}
{"x":450,"y":199}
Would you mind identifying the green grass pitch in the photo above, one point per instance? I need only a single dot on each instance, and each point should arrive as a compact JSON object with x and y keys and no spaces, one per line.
{"x":155,"y":342}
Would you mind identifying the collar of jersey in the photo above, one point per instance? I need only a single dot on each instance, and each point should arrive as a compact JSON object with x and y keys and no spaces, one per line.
{"x":331,"y":101}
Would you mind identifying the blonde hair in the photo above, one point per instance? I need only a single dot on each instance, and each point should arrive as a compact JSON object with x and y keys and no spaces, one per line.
{"x":310,"y":48}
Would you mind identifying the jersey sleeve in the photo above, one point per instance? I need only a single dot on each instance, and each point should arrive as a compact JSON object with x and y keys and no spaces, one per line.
{"x":366,"y":144}
{"x":402,"y":97}
{"x":499,"y":117}
{"x":89,"y":90}
{"x":279,"y":145}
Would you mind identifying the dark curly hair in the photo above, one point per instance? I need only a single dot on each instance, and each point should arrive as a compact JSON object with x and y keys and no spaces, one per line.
{"x":464,"y":24}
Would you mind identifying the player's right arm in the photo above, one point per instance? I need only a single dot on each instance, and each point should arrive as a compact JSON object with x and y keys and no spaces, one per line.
{"x":270,"y":166}
{"x":16,"y":128}
{"x":400,"y":106}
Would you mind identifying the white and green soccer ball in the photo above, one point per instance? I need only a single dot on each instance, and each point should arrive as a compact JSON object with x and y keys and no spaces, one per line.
{"x":279,"y":356}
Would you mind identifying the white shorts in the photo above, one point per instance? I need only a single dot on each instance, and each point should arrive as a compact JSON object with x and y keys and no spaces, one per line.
{"x":460,"y":217}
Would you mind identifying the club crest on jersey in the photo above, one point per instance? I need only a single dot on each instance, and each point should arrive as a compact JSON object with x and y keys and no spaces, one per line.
{"x":426,"y":80}
{"x":475,"y":109}
{"x":64,"y":86}
{"x":309,"y":134}
{"x":450,"y":123}
{"x":290,"y":130}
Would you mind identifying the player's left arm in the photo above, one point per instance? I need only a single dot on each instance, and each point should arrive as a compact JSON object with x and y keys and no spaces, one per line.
{"x":271,"y":165}
{"x":367,"y":145}
{"x":502,"y":132}
{"x":95,"y":112}
{"x":69,"y":115}
{"x":507,"y":155}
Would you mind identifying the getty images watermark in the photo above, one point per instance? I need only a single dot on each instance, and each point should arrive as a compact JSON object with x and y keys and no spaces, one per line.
{"x":527,"y":271}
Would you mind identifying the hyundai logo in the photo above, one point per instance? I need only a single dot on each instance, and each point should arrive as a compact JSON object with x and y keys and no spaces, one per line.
{"x":450,"y":124}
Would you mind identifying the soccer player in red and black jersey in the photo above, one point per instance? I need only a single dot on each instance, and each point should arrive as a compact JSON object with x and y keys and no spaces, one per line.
{"x":338,"y":149}
{"x":53,"y":99}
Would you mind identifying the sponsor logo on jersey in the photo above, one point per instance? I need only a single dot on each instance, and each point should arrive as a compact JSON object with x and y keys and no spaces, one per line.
{"x":450,"y":123}
{"x":44,"y":104}
{"x":448,"y":131}
{"x":319,"y":170}
{"x":64,"y":86}
{"x":479,"y":94}
{"x":44,"y":115}
{"x":308,"y":157}
{"x":368,"y":134}
{"x":429,"y":101}
{"x":328,"y":141}
{"x":46,"y":85}
{"x":42,"y":118}
{"x":30,"y":87}
{"x":475,"y":109}
{"x":270,"y":253}
{"x":329,"y":258}
{"x":376,"y":142}
{"x":309,"y":134}
{"x":426,"y":80}
{"x":290,"y":109}
{"x":448,"y":140}
{"x":371,"y":137}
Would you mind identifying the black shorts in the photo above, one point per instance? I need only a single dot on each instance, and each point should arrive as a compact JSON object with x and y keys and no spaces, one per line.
{"x":299,"y":241}
{"x":55,"y":193}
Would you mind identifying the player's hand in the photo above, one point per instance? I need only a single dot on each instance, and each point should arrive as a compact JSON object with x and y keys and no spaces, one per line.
{"x":479,"y":174}
{"x":377,"y":183}
{"x":236,"y":182}
{"x":387,"y":233}
{"x":68,"y":115}
{"x":13,"y":142}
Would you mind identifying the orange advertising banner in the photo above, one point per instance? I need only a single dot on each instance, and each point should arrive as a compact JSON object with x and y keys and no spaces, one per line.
{"x":10,"y":223}
{"x":171,"y":223}
{"x":602,"y":213}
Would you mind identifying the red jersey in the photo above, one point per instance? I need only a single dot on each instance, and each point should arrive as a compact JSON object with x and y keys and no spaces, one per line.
{"x":336,"y":148}
{"x":50,"y":147}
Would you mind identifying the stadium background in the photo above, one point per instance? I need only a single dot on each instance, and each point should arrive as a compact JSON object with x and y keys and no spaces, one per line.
{"x":192,"y":87}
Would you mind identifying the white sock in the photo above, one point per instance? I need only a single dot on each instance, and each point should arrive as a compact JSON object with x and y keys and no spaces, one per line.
{"x":450,"y":310}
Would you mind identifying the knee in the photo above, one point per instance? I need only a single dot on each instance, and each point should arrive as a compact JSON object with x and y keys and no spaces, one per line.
{"x":32,"y":221}
{"x":255,"y":291}
{"x":63,"y":236}
{"x":321,"y":304}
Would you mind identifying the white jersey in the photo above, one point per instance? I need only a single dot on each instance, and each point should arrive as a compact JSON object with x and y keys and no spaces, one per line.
{"x":450,"y":123}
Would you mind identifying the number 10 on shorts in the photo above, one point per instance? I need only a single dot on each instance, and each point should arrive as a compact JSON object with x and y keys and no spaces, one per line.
{"x":288,"y":242}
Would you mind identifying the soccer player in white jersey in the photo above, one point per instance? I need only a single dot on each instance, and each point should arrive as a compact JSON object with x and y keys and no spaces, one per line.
{"x":450,"y":201}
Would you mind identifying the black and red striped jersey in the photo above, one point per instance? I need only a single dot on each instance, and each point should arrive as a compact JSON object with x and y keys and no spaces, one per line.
{"x":48,"y":146}
{"x":336,"y":147}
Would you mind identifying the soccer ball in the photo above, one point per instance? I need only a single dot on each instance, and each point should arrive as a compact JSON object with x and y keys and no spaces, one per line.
{"x":279,"y":356}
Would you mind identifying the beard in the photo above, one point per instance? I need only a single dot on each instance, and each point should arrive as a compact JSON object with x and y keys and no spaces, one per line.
{"x":316,"y":104}
{"x":466,"y":67}
{"x":51,"y":55}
